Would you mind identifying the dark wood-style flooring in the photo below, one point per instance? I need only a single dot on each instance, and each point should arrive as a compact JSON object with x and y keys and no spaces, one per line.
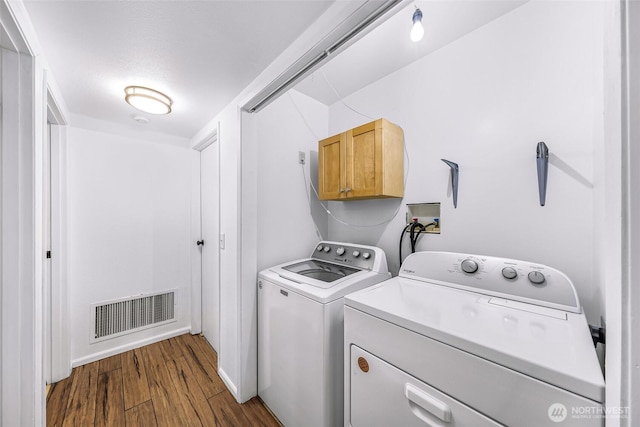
{"x":171,"y":383}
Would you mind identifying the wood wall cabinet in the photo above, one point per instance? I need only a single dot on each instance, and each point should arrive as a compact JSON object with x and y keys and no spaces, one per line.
{"x":366,"y":162}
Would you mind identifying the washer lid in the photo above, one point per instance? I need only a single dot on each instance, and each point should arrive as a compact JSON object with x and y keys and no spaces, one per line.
{"x":339,"y":288}
{"x":551,"y":345}
{"x":324,"y":273}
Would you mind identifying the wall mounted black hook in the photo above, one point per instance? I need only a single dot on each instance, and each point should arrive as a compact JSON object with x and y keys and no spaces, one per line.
{"x":455,"y":172}
{"x":542,"y":162}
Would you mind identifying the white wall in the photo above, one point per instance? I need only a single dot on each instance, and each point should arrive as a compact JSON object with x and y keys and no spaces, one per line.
{"x":129,"y":219}
{"x":286,"y":231}
{"x":229,"y":363}
{"x":485,"y":101}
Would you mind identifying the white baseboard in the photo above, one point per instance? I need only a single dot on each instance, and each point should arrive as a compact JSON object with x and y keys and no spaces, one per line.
{"x":130,"y":346}
{"x":230,"y":385}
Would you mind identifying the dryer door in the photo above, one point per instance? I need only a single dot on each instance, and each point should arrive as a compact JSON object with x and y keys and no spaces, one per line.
{"x":383,"y":395}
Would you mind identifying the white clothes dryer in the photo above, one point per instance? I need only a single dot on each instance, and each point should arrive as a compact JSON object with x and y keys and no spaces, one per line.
{"x":468,"y":340}
{"x":300,"y":330}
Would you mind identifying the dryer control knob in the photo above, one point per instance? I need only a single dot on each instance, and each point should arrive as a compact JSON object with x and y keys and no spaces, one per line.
{"x":319,"y":248}
{"x":340,"y":251}
{"x":469,"y":266}
{"x":536,"y":277}
{"x":356,"y":254}
{"x":509,"y":273}
{"x":327,"y":249}
{"x":366,"y":255}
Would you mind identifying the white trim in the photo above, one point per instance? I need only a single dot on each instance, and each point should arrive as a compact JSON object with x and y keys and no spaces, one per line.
{"x":60,"y":342}
{"x":207,"y":140}
{"x":38,"y":127}
{"x":230,"y":385}
{"x":248,"y":259}
{"x":11,"y":23}
{"x":129,"y":346}
{"x":628,"y":382}
{"x":54,"y":111}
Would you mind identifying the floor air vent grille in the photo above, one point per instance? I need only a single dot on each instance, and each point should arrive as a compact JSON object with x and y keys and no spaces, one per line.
{"x":124,"y":316}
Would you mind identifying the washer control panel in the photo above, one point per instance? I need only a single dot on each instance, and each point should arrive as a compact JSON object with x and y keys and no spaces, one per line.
{"x":507,"y":278}
{"x":349,"y":254}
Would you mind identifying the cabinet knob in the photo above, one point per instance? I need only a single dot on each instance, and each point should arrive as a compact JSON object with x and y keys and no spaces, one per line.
{"x":342,"y":190}
{"x":348,"y":189}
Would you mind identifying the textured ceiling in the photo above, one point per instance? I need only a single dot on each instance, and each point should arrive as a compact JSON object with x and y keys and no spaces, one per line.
{"x":200,"y":53}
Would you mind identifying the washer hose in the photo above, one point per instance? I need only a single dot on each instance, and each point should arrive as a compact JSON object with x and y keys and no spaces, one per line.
{"x":413,"y":236}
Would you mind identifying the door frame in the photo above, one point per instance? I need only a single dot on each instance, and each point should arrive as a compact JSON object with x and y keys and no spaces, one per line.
{"x":621,"y":303}
{"x":196,"y":227}
{"x":58,"y":298}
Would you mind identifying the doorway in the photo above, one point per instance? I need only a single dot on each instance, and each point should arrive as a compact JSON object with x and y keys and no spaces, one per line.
{"x":57,"y":350}
{"x":210,"y":241}
{"x":46,"y":245}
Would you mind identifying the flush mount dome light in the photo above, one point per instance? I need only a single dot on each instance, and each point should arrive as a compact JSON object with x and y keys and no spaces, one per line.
{"x":148,"y":100}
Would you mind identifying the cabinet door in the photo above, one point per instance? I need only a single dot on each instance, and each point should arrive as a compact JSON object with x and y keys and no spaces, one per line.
{"x":364,"y":161}
{"x":331,"y":163}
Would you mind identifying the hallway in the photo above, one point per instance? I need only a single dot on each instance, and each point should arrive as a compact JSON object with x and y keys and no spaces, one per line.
{"x":169,"y":383}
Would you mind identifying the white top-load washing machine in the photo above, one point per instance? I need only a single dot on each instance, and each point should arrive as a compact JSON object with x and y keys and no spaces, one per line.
{"x":300,"y":330}
{"x":467,"y":340}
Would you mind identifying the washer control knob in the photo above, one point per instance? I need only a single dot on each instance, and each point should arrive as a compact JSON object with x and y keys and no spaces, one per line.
{"x":340,"y":251}
{"x":356,"y":254}
{"x":536,"y":277}
{"x":469,"y":266}
{"x":509,"y":273}
{"x":319,"y":248}
{"x":327,"y":249}
{"x":366,"y":255}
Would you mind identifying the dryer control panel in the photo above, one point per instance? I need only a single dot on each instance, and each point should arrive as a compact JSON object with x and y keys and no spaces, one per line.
{"x":502,"y":277}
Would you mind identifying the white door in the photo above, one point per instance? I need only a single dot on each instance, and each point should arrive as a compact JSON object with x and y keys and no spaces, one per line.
{"x":210,"y":218}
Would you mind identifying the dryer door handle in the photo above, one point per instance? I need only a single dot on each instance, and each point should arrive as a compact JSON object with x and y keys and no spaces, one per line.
{"x":420,"y":400}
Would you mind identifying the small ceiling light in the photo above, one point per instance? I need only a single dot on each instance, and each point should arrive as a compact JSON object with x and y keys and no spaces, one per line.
{"x":417,"y":31}
{"x":141,"y":120}
{"x":147,"y":100}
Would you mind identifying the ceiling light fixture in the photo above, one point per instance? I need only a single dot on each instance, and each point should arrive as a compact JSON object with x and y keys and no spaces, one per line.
{"x":148,"y":100}
{"x":417,"y":31}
